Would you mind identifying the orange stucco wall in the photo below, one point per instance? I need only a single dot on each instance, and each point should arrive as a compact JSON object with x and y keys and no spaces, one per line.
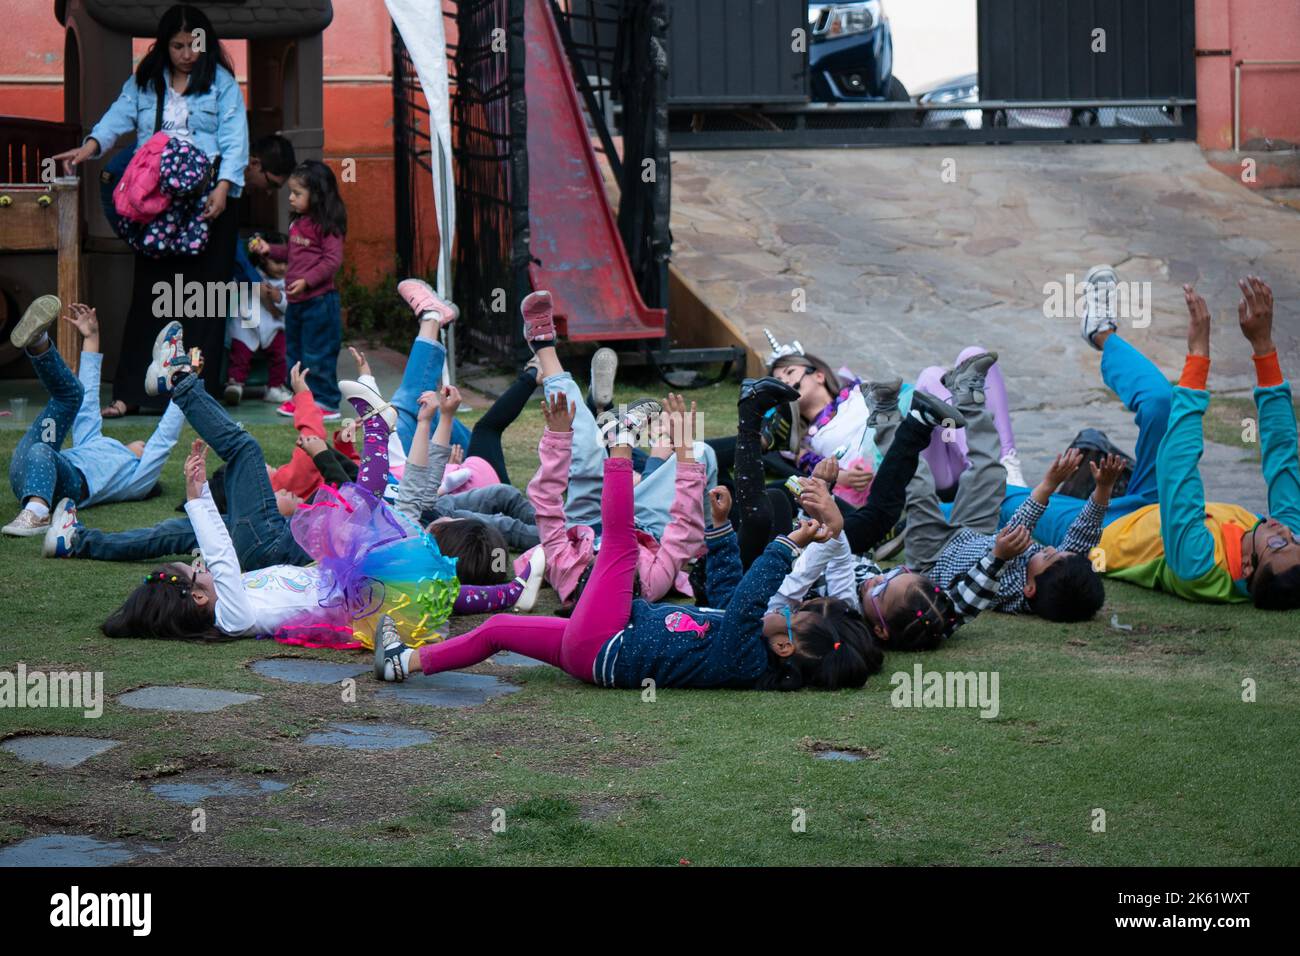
{"x":358,"y":105}
{"x":1270,"y":107}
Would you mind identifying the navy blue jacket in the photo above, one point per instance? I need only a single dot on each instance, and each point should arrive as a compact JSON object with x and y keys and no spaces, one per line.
{"x":681,"y":646}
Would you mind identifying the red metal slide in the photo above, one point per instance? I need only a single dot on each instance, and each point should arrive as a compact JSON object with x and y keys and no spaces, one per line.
{"x":576,"y":246}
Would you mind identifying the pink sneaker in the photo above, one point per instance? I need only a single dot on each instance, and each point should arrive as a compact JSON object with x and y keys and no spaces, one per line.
{"x":539,"y":319}
{"x":419,"y":295}
{"x":286,"y":409}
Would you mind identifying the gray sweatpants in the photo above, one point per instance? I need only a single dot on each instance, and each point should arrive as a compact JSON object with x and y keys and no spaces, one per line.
{"x":980,"y":490}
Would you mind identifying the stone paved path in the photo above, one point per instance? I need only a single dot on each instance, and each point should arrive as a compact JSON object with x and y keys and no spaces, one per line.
{"x":901,"y":269}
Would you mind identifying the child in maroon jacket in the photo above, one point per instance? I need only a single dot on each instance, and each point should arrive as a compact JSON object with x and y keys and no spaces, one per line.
{"x":312,"y":326}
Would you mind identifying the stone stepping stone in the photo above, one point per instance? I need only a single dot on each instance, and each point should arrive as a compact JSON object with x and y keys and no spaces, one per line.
{"x":61,"y":752}
{"x":196,"y":791}
{"x":368,"y":737}
{"x":63,"y":849}
{"x":843,"y":755}
{"x":194,"y":700}
{"x":300,"y":670}
{"x":448,"y":689}
{"x":511,"y":659}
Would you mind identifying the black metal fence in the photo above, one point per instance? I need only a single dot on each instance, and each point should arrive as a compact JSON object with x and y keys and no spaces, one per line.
{"x":618,"y":52}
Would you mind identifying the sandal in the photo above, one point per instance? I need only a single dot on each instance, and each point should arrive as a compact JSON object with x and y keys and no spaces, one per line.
{"x":118,"y":409}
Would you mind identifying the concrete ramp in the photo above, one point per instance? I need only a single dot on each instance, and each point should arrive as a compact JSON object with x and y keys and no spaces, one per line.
{"x":902,"y":269}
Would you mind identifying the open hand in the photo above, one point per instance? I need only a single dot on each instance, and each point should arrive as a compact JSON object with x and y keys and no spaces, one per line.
{"x":1107,"y":472}
{"x":1198,"y":322}
{"x":84,"y":319}
{"x":558,"y":412}
{"x":298,"y":378}
{"x":1255,"y":314}
{"x":1062,"y":467}
{"x":720,"y":505}
{"x":347,"y":433}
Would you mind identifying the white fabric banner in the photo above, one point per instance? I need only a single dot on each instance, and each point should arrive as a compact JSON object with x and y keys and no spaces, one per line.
{"x":420,"y":23}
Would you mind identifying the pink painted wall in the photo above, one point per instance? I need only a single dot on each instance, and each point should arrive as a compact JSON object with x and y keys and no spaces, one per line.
{"x":1270,"y":104}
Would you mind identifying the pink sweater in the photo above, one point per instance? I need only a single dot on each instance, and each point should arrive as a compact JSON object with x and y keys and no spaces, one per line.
{"x":311,"y":255}
{"x":570,"y":550}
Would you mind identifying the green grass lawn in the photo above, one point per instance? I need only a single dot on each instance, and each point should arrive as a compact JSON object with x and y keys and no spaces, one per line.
{"x":1138,"y":714}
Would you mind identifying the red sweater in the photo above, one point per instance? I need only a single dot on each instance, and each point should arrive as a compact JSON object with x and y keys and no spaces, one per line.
{"x":301,"y":476}
{"x":311,"y":255}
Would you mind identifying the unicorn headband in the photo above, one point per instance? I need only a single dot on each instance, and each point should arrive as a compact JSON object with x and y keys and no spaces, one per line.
{"x":779,"y":350}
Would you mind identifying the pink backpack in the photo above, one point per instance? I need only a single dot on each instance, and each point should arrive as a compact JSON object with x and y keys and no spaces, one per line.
{"x":139,"y":196}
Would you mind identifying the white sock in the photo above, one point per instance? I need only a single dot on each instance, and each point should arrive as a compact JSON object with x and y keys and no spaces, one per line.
{"x":38,"y":508}
{"x":405,"y":657}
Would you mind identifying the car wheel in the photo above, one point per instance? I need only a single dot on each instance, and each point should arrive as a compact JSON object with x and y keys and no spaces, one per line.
{"x":896,"y":92}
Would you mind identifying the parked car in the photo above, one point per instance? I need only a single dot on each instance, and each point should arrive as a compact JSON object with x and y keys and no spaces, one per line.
{"x":965,"y":89}
{"x":851,"y":53}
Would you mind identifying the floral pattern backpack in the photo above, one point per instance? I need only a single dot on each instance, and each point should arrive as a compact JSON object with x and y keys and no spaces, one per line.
{"x":184,"y":175}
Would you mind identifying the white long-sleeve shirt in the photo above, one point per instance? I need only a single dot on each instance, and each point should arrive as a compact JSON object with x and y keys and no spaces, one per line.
{"x":835,"y":559}
{"x":258,"y":602}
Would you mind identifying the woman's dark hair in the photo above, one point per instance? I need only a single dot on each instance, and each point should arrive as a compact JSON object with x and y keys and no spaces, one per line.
{"x":1276,"y":592}
{"x":833,"y":384}
{"x":163,"y":610}
{"x":183,"y":18}
{"x":921,"y":619}
{"x":480,"y":550}
{"x":833,"y":650}
{"x":327,"y":209}
{"x":275,"y":153}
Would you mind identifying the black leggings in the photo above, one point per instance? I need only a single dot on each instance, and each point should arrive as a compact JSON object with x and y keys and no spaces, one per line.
{"x":763,"y":513}
{"x":485,"y":439}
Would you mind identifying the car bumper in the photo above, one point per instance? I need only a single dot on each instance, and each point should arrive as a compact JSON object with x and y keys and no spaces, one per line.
{"x":868,"y":56}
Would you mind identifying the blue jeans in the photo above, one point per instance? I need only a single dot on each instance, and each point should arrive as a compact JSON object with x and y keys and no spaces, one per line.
{"x":313,"y":335}
{"x":423,"y":373}
{"x":37,"y":470}
{"x":1146,"y":392}
{"x":654,"y":493}
{"x":260,"y":534}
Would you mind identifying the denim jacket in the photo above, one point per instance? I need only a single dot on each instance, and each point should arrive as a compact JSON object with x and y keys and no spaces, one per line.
{"x":218,"y":120}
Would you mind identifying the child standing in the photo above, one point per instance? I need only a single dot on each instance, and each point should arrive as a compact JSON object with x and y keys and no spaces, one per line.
{"x":314,"y":252}
{"x":259,"y":327}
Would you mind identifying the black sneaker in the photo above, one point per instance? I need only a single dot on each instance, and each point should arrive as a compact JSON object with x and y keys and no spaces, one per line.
{"x":935,"y":412}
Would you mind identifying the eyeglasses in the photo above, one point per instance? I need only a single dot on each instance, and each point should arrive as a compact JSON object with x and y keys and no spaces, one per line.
{"x":877,"y":593}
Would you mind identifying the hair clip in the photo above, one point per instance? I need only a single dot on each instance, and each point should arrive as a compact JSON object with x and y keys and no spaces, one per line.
{"x":837,"y":645}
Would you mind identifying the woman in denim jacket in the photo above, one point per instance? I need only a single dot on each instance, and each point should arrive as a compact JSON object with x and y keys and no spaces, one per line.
{"x":188,"y":73}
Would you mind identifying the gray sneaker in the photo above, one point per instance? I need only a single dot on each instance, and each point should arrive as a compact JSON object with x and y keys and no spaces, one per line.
{"x":40,"y":315}
{"x":604,"y":367}
{"x":967,"y":379}
{"x":1099,"y":300}
{"x":881,"y":398}
{"x":630,"y":425}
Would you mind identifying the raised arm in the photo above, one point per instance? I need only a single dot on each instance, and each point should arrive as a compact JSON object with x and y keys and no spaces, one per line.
{"x":1189,"y":546}
{"x":88,"y":423}
{"x":234,"y":614}
{"x":1277,"y":423}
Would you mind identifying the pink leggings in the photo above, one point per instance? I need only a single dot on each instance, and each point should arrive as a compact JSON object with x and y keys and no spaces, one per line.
{"x":603,"y":610}
{"x":947,"y":459}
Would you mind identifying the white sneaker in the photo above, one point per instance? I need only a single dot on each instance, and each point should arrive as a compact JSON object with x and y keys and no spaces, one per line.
{"x":1099,"y":301}
{"x":1015,"y":474}
{"x":62,"y":531}
{"x":374,"y":403}
{"x":533,"y":583}
{"x":168,"y":355}
{"x":277,"y":395}
{"x":26,"y":525}
{"x":604,"y":367}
